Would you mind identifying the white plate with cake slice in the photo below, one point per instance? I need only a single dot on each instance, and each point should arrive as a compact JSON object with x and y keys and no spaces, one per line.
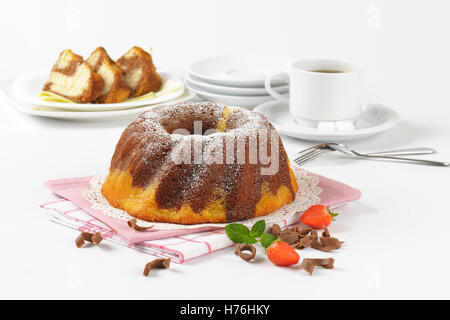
{"x":65,"y":114}
{"x":27,"y":87}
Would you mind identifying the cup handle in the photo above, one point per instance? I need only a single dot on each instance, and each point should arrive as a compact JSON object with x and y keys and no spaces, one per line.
{"x":272,"y":92}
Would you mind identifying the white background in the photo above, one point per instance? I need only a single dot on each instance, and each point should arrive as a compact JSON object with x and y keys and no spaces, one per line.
{"x":396,"y":235}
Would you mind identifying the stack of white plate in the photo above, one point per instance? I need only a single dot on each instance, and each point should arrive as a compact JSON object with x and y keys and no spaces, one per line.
{"x":236,"y":80}
{"x":22,"y":94}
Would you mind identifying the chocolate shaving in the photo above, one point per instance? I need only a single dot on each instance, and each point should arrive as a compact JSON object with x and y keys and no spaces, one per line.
{"x":309,"y":264}
{"x":302,"y":238}
{"x":132,"y":223}
{"x":304,"y":242}
{"x":275,"y":230}
{"x":318,"y":246}
{"x":326,"y":233}
{"x":303,"y":232}
{"x":327,"y":243}
{"x":79,"y":242}
{"x":159,"y":263}
{"x":97,"y":238}
{"x":314,"y":234}
{"x":330,"y":242}
{"x":289,"y":236}
{"x":327,"y":263}
{"x":245,"y":247}
{"x":89,"y":237}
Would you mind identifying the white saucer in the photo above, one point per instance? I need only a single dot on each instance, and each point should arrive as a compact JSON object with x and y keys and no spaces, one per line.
{"x":236,"y":91}
{"x":27,"y":87}
{"x":248,"y":71}
{"x":375,"y":118}
{"x":248,"y":102}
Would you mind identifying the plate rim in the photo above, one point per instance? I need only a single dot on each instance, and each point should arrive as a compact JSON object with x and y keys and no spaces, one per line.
{"x":218,"y":95}
{"x":392,"y":120}
{"x":241,"y":83}
{"x":239,"y":91}
{"x":85,"y":115}
{"x":251,"y":101}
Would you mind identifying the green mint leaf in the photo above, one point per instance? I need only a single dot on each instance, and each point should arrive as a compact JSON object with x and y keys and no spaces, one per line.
{"x":250,"y":240}
{"x":267,"y":239}
{"x":258,"y":228}
{"x":237,"y":232}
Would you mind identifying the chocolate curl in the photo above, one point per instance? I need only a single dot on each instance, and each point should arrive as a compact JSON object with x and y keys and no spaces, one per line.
{"x":159,"y":263}
{"x":275,"y":230}
{"x":79,"y":241}
{"x":331,"y":242}
{"x":327,"y":263}
{"x":132,"y":223}
{"x":289,"y":236}
{"x":314,"y":234}
{"x":318,"y":246}
{"x":303,"y":232}
{"x":304,"y":242}
{"x":309,"y":264}
{"x":327,"y":242}
{"x":95,"y":238}
{"x":245,"y":247}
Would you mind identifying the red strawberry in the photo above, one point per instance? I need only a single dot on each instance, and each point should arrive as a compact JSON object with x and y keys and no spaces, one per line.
{"x":318,"y":216}
{"x":282,"y":254}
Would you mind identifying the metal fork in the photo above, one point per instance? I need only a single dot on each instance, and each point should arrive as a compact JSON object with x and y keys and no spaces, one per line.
{"x":312,"y":153}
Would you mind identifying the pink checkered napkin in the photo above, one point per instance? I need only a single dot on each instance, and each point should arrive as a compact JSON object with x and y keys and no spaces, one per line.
{"x":179,"y":248}
{"x":182,"y":244}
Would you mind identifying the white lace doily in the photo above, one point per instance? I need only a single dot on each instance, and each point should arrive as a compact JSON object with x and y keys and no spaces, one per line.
{"x":306,"y":196}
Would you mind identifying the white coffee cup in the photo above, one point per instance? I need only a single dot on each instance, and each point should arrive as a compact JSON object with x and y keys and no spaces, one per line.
{"x":321,"y":90}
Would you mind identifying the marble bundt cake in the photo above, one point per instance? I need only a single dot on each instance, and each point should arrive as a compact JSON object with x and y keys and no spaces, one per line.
{"x":74,"y":79}
{"x":140,"y":72}
{"x":115,"y":89}
{"x":219,"y":178}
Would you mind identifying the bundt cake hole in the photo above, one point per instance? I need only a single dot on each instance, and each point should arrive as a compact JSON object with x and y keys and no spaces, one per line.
{"x":206,"y":130}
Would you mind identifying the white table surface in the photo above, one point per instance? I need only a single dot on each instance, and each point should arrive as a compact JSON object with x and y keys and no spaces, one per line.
{"x":396,"y":235}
